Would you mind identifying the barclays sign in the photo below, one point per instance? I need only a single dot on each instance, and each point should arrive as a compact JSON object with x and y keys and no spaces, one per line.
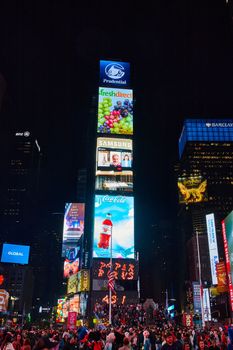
{"x":114,"y":74}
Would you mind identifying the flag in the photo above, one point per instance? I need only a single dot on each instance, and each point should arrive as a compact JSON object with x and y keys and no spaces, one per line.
{"x":111,"y":280}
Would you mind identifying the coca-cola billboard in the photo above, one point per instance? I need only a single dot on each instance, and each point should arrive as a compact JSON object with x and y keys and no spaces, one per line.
{"x":114,"y":220}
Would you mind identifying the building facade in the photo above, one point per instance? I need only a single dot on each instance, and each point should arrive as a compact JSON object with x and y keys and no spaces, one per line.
{"x":205,"y":186}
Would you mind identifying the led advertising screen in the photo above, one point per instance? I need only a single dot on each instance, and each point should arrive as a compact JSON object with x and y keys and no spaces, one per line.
{"x":126,"y":269}
{"x":13,"y":253}
{"x":227,"y":230}
{"x":192,"y":189}
{"x":72,"y":284}
{"x":213,"y":247}
{"x":114,"y":73}
{"x":115,"y":111}
{"x":113,"y":218}
{"x":73,"y":225}
{"x":71,"y":267}
{"x":114,"y":161}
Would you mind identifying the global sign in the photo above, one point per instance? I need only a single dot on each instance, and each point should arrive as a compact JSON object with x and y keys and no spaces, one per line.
{"x":114,"y":73}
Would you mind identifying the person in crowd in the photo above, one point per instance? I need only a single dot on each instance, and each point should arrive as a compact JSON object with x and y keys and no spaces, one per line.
{"x":7,"y":342}
{"x":126,"y":344}
{"x":26,"y":344}
{"x":146,"y":342}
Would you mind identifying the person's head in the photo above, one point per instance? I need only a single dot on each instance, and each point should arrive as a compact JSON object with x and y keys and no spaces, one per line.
{"x":26,"y":342}
{"x":213,"y":342}
{"x":126,"y":157}
{"x":201,"y":344}
{"x":73,"y":340}
{"x":126,"y":341}
{"x":111,"y":337}
{"x":186,"y":346}
{"x":115,"y":158}
{"x":18,"y":337}
{"x":169,"y":338}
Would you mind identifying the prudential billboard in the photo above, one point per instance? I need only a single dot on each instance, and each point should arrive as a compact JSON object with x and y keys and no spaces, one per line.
{"x":17,"y":254}
{"x":114,"y":73}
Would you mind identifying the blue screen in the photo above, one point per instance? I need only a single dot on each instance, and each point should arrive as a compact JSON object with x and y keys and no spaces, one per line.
{"x":114,"y":73}
{"x":12,"y":253}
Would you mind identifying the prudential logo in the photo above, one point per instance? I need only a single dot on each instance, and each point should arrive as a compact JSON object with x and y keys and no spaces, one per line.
{"x":115,"y":71}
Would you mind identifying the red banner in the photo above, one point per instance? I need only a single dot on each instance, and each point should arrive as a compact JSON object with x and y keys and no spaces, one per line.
{"x":221,"y":277}
{"x":228,"y":264}
{"x":187,"y":320}
{"x":71,"y":322}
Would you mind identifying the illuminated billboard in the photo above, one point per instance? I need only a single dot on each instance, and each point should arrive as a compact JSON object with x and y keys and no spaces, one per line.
{"x":72,"y":284}
{"x":16,"y":254}
{"x":113,"y":218}
{"x":115,"y":111}
{"x":227,"y":231}
{"x":73,"y":225}
{"x":120,"y":298}
{"x":126,"y":269}
{"x":114,"y":73}
{"x":71,"y":267}
{"x":213,"y":247}
{"x":192,"y":189}
{"x":114,"y":161}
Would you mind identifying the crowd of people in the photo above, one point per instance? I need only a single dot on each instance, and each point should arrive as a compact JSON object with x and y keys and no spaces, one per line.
{"x":128,"y":331}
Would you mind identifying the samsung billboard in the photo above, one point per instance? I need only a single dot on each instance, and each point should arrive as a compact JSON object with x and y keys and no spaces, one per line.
{"x":17,"y":254}
{"x":114,"y":73}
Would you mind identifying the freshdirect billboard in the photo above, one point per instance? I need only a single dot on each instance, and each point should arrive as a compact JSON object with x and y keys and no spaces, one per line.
{"x":121,"y":209}
{"x":114,"y":161}
{"x":115,"y":111}
{"x":73,"y":225}
{"x":213,"y":247}
{"x":13,"y":253}
{"x":114,"y":73}
{"x":227,"y":231}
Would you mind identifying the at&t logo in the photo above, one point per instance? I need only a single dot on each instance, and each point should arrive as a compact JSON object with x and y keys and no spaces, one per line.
{"x":115,"y":71}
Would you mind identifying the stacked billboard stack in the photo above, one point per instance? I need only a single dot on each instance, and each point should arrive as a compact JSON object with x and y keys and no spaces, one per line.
{"x":74,"y":303}
{"x":113,"y":228}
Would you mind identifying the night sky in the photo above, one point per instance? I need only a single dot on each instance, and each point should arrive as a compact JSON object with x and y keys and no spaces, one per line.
{"x":181,"y":54}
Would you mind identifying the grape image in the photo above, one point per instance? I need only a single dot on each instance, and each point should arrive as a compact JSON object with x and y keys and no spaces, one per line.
{"x":115,"y":116}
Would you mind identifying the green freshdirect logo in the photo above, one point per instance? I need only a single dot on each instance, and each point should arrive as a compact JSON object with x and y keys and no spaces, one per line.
{"x":103,"y":92}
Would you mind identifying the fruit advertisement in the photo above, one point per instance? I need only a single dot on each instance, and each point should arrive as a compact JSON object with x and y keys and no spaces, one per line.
{"x":115,"y":111}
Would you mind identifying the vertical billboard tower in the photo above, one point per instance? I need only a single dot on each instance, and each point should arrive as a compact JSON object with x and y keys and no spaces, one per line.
{"x":113,"y":228}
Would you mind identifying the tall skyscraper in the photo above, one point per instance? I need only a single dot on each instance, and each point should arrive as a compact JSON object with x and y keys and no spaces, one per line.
{"x":205,"y":183}
{"x":19,"y":185}
{"x":113,"y":193}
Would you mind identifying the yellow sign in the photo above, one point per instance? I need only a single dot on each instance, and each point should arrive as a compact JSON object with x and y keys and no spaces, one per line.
{"x":192,"y":190}
{"x":72,"y":285}
{"x":83,"y":281}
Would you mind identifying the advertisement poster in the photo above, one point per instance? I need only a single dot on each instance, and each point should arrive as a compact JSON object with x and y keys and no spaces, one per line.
{"x":222,"y":277}
{"x":83,"y":281}
{"x":227,"y":230}
{"x":71,"y":268}
{"x":115,"y":111}
{"x":72,"y":284}
{"x":197,"y":298}
{"x":73,"y":225}
{"x":114,"y":162}
{"x":213,"y":246}
{"x":192,"y":189}
{"x":15,"y":254}
{"x":126,"y":269}
{"x":4,"y":298}
{"x":71,"y":322}
{"x":187,"y":320}
{"x":114,"y":73}
{"x":119,"y":228}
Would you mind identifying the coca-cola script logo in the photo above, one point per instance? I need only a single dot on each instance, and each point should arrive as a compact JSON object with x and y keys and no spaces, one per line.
{"x":114,"y":199}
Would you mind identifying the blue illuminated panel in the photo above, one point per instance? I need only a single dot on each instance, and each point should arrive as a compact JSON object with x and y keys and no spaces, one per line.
{"x":206,"y":130}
